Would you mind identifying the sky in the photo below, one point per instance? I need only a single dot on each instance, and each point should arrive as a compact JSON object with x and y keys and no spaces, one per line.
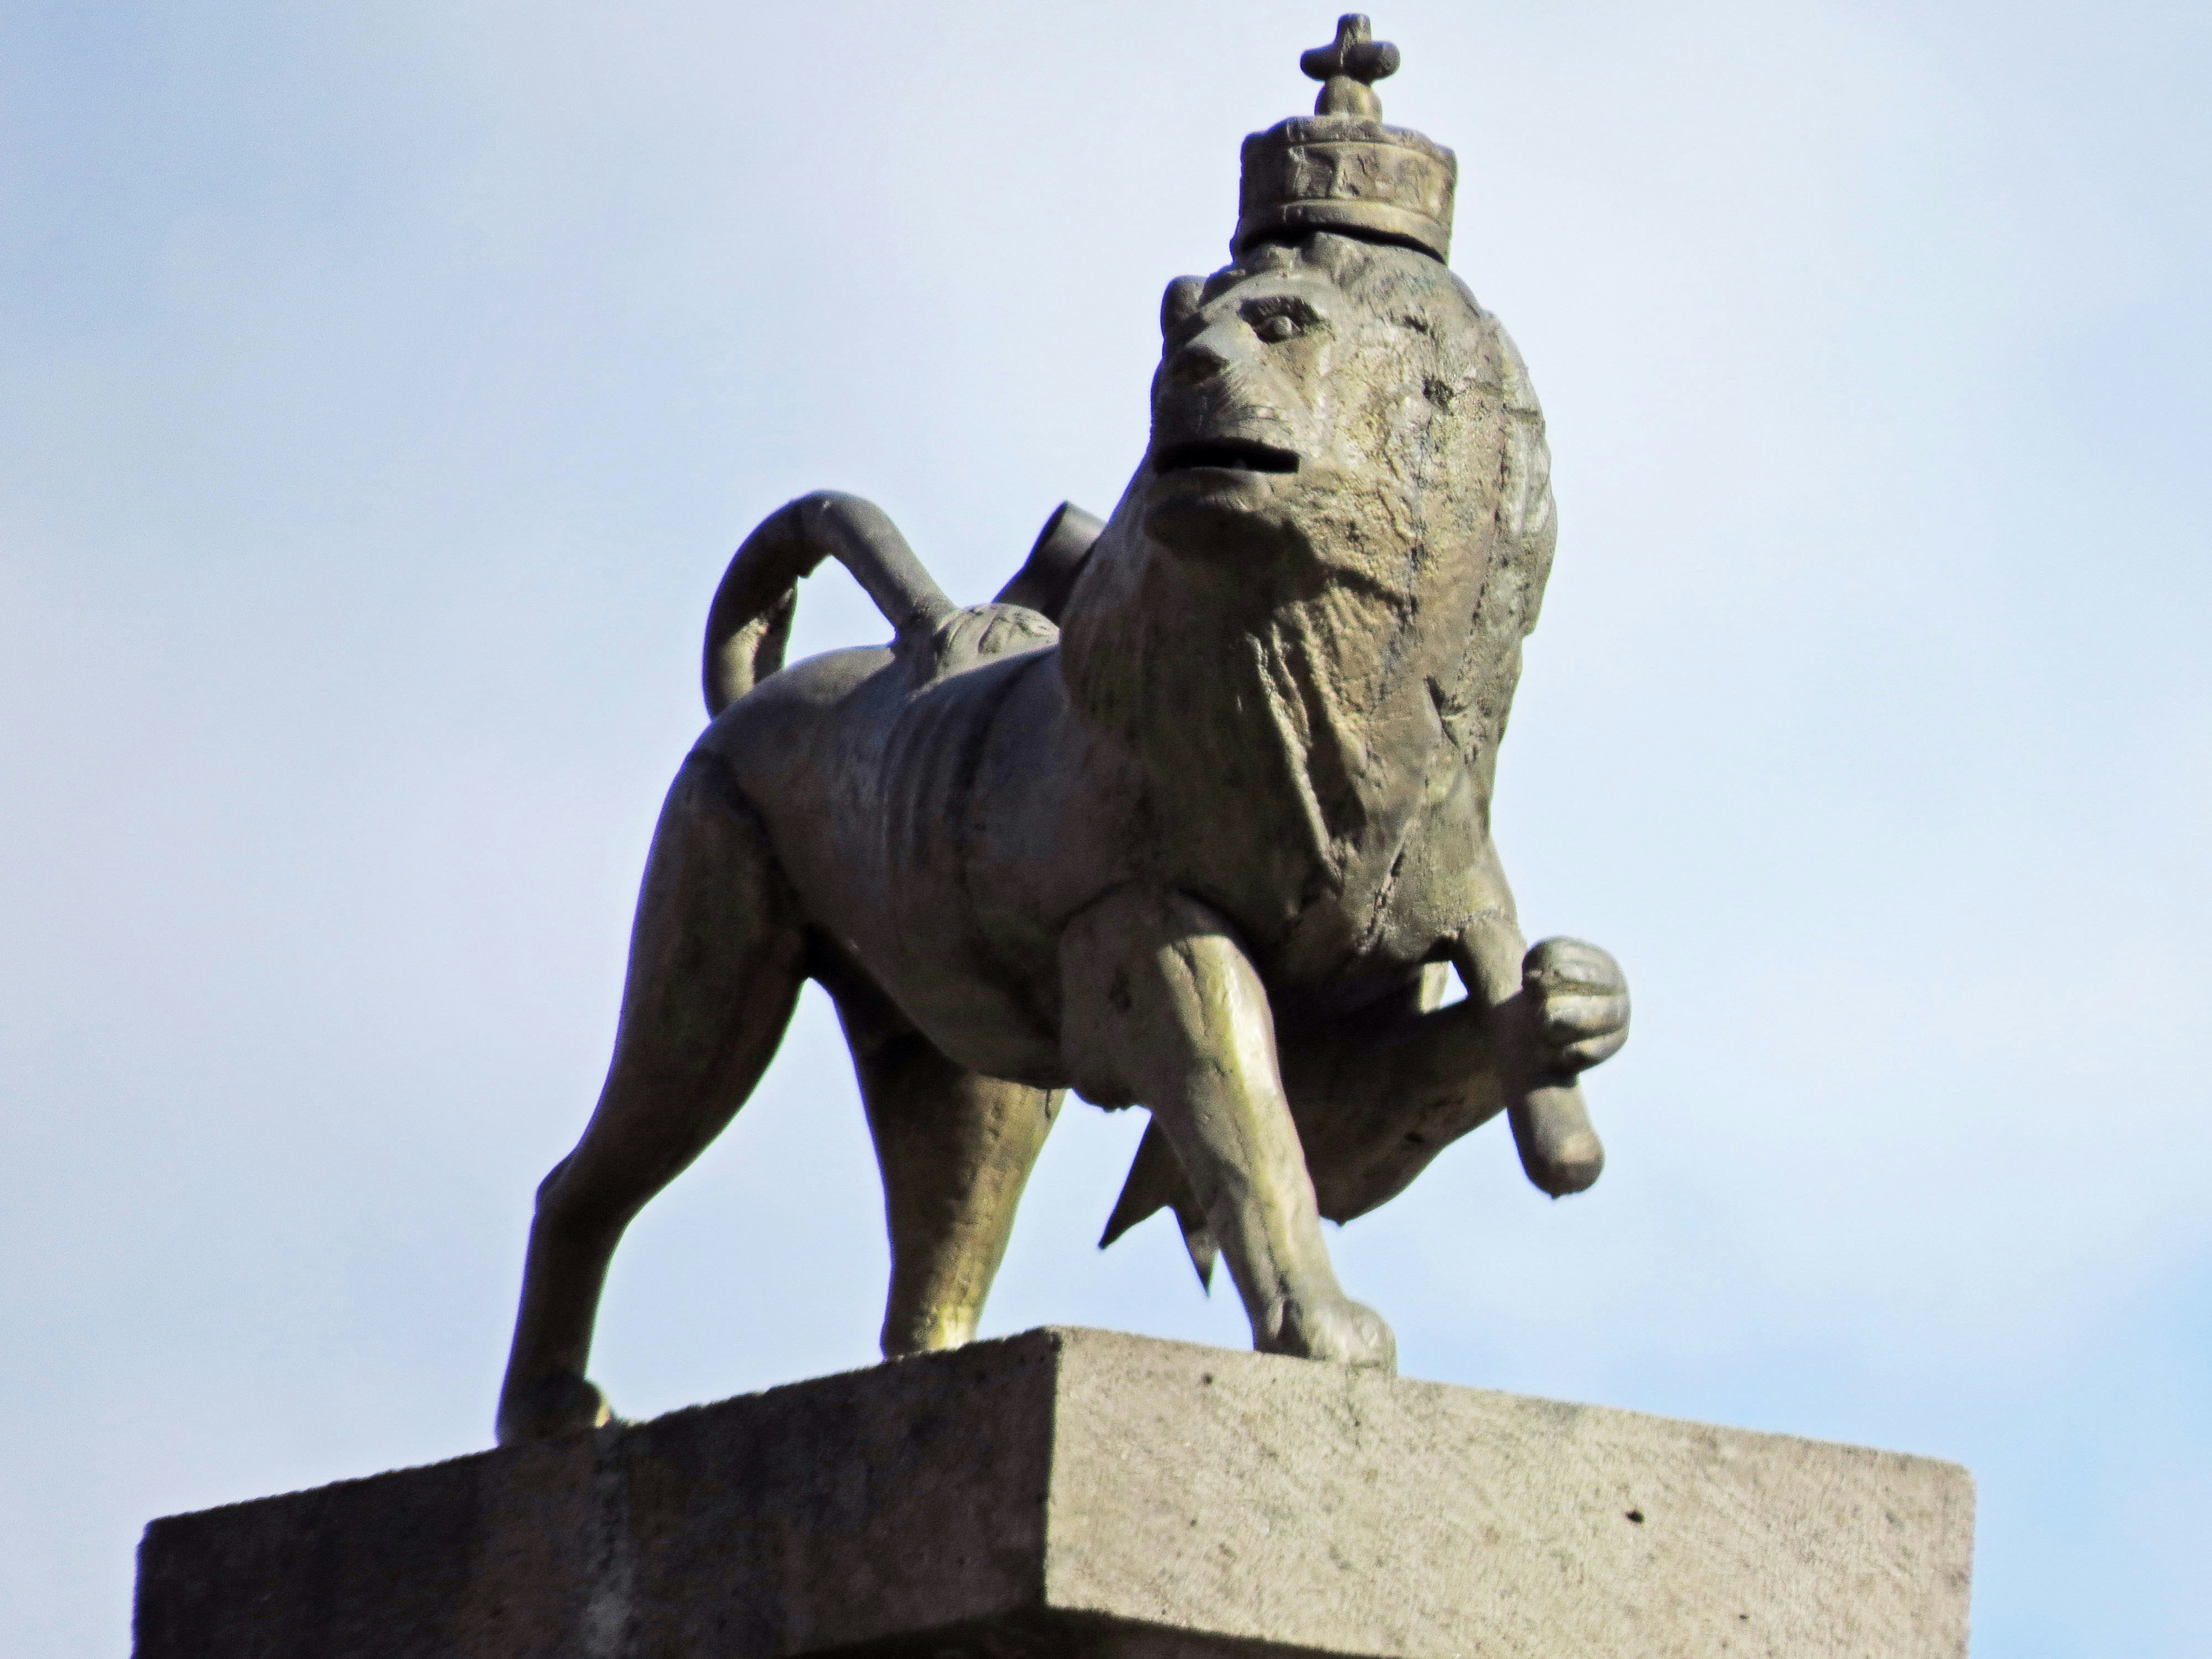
{"x":383,"y":388}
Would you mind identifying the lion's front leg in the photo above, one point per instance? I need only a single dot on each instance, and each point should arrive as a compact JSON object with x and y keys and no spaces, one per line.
{"x":1161,"y":1006}
{"x":1555,"y":1010}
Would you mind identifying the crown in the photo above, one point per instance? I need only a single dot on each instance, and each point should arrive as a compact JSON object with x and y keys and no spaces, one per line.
{"x":1341,"y":168}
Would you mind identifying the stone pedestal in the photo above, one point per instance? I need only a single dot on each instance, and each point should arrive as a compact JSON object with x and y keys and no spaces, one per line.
{"x":1075,"y":1493}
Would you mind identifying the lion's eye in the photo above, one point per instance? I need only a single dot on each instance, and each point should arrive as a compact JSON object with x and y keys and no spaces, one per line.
{"x":1280,"y":326}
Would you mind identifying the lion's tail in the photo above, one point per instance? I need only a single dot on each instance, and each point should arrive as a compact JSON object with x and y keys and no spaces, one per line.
{"x":749,"y":624}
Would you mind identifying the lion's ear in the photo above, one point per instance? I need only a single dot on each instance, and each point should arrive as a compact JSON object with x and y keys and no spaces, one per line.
{"x":1180,"y":303}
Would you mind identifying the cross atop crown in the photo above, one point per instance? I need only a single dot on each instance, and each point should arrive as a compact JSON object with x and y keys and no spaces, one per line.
{"x":1347,"y":68}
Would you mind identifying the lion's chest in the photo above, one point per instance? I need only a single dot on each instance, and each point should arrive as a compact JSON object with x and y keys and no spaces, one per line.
{"x":1342,"y":840}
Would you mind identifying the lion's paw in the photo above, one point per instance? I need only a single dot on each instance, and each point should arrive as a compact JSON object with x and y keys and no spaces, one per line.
{"x":1333,"y":1329}
{"x":1581,"y":1001}
{"x":561,"y":1404}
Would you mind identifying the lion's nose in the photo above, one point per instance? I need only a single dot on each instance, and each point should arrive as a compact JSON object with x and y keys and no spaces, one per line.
{"x":1210,"y":352}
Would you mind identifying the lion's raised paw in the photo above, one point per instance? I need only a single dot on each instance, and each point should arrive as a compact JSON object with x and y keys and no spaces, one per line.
{"x":1581,"y":1001}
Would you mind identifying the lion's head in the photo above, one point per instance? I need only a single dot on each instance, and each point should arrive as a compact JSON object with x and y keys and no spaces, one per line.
{"x":1342,"y":438}
{"x":1315,"y":396}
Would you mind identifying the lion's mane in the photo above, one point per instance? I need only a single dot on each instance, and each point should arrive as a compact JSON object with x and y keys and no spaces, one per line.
{"x":1429,"y":544}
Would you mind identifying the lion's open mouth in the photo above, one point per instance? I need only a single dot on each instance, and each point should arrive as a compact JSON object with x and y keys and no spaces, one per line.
{"x":1229,"y":454}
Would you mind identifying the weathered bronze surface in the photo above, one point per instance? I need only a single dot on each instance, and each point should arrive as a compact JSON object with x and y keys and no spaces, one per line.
{"x":1194,"y":816}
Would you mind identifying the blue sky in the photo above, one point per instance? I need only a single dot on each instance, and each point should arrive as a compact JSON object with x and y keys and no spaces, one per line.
{"x":381,"y":389}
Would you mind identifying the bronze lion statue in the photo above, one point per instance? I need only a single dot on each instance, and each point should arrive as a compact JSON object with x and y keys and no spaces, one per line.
{"x":1195,"y":816}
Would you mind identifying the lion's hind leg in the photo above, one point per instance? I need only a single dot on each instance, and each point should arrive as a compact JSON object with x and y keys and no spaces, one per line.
{"x":717,"y":957}
{"x":956,"y":1148}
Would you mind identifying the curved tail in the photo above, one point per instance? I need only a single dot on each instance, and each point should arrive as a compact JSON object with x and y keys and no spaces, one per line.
{"x":749,"y":624}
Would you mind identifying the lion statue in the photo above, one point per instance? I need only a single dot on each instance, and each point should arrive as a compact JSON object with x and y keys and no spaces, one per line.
{"x":1195,"y":816}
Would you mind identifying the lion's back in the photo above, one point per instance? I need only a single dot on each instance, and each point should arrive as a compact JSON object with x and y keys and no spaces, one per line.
{"x":892,"y":800}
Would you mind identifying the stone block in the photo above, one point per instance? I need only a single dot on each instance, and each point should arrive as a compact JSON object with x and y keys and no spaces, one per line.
{"x":1080,"y":1493}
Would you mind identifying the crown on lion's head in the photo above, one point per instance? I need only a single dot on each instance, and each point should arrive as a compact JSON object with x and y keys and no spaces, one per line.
{"x":1341,"y":168}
